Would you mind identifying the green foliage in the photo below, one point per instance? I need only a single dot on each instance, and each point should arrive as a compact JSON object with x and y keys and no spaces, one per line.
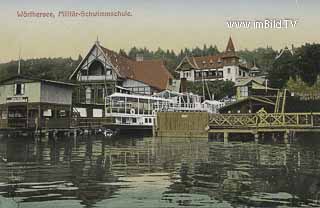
{"x":170,"y":58}
{"x":282,"y":70}
{"x":45,"y":68}
{"x":304,"y":63}
{"x":219,"y":88}
{"x":263,"y":57}
{"x":61,"y":68}
{"x":300,"y":87}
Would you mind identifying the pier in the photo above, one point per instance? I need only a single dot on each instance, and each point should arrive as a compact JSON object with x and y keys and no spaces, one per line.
{"x":53,"y":126}
{"x":263,"y":122}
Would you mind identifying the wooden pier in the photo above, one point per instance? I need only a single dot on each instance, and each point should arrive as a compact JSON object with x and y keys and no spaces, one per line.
{"x":263,"y":122}
{"x":53,"y":126}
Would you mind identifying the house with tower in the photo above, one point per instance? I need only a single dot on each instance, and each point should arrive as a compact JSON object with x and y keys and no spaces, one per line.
{"x":224,"y":66}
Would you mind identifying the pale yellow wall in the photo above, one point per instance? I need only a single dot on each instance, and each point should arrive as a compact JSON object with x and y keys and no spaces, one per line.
{"x":32,"y":91}
{"x":56,"y":94}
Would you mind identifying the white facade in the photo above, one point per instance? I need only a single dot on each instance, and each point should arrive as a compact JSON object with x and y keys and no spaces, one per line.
{"x":137,"y":87}
{"x":231,"y":73}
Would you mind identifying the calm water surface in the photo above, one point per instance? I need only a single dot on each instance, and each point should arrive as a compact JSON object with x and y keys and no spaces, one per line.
{"x":158,"y":172}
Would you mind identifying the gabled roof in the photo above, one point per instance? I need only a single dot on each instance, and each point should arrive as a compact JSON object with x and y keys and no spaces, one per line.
{"x":255,"y":98}
{"x":151,"y":72}
{"x":284,"y":51}
{"x":121,"y":63}
{"x":190,"y":60}
{"x":32,"y":79}
{"x":246,"y":81}
{"x":211,"y":61}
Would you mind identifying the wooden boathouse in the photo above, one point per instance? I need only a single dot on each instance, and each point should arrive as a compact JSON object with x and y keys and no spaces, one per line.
{"x":31,"y":104}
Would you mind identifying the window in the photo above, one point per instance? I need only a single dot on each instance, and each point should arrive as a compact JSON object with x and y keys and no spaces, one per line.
{"x":243,"y":74}
{"x":96,"y":68}
{"x":244,"y":91}
{"x":150,"y":120}
{"x":62,"y":113}
{"x":145,"y":120}
{"x":109,"y":72}
{"x":229,"y":70}
{"x":239,"y":73}
{"x":134,"y":120}
{"x":19,"y":89}
{"x":88,"y":95}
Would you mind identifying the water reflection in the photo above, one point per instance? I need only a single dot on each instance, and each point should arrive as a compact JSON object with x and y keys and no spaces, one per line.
{"x":158,"y":172}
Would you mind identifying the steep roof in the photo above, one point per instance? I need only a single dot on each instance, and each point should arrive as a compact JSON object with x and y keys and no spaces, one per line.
{"x":150,"y":72}
{"x":211,"y":61}
{"x":285,"y":51}
{"x":259,"y":99}
{"x":123,"y":64}
{"x":246,"y":81}
{"x":230,"y":46}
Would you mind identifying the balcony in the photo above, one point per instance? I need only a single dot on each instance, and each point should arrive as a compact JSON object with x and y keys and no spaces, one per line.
{"x":199,"y":78}
{"x":89,"y":78}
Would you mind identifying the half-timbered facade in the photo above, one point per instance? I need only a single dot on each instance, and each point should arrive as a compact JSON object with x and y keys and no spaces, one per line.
{"x":224,"y":66}
{"x":103,"y":72}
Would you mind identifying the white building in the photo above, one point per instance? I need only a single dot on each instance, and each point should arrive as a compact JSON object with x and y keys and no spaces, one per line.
{"x":224,"y":66}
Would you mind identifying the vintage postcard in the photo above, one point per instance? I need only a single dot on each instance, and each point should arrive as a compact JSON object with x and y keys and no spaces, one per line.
{"x":159,"y":104}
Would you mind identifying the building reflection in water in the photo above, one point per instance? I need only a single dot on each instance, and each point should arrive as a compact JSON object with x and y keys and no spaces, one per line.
{"x":189,"y":172}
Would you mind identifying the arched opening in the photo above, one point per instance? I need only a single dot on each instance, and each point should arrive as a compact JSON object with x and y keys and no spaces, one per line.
{"x":96,"y":68}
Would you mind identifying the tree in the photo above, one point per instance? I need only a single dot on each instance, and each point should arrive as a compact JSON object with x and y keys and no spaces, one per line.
{"x":304,"y":63}
{"x":307,"y":60}
{"x":218,"y":88}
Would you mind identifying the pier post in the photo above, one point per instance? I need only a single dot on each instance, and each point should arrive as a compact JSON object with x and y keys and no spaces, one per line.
{"x":256,"y":137}
{"x":74,"y":133}
{"x":274,"y":138}
{"x":225,"y":137}
{"x":286,"y":137}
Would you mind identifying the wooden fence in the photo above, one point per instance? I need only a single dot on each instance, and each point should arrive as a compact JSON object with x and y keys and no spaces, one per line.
{"x":182,"y":124}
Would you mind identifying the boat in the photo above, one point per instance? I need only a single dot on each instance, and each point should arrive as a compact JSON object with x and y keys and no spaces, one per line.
{"x":135,"y":112}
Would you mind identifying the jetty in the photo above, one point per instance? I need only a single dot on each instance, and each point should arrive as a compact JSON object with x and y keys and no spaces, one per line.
{"x":262,"y":122}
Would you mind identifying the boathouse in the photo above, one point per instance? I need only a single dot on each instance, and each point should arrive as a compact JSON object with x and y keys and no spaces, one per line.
{"x":35,"y":103}
{"x":251,"y":95}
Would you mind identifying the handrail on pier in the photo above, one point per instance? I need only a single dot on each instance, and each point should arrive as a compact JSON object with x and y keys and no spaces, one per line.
{"x":264,"y":119}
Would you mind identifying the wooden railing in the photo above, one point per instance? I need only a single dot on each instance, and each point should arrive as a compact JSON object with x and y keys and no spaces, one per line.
{"x":208,"y":77}
{"x":263,"y":119}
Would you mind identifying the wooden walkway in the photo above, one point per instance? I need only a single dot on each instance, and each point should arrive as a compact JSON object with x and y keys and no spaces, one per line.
{"x":53,"y":125}
{"x":264,"y":122}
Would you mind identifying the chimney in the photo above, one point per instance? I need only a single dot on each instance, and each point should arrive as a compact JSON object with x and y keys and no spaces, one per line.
{"x":183,"y":85}
{"x":139,"y":57}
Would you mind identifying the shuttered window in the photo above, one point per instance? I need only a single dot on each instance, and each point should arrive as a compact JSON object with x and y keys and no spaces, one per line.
{"x":19,"y":89}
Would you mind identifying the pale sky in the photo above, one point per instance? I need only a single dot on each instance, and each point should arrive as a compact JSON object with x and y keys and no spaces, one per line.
{"x":169,"y":24}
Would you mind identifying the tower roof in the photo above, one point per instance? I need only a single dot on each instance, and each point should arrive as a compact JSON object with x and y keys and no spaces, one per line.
{"x":230,"y":46}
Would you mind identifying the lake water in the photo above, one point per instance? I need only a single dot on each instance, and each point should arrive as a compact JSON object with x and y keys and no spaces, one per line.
{"x":158,"y":172}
